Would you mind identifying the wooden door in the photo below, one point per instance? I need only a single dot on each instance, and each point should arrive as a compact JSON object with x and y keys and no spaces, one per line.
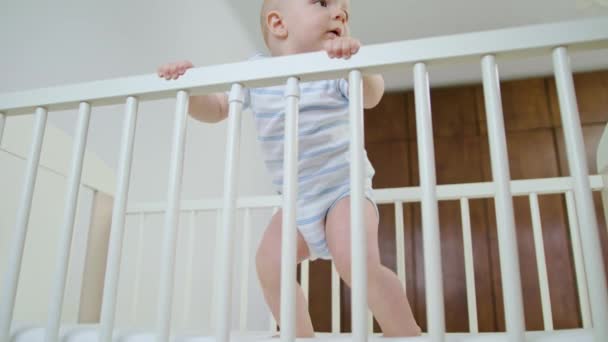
{"x":535,"y":147}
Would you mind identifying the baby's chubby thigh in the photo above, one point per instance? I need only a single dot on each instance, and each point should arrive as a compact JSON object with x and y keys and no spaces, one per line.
{"x":338,"y":234}
{"x":268,"y":256}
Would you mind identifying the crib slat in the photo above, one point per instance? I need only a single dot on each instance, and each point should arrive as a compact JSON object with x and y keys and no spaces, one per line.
{"x":579,"y":266}
{"x":430,"y":216}
{"x":273,"y":322}
{"x":400,"y":237}
{"x":138,"y":266}
{"x":224,"y":291}
{"x":108,"y":307}
{"x":2,"y":121}
{"x":216,"y":269}
{"x":7,"y":304}
{"x":505,"y":222}
{"x":541,"y":263}
{"x":304,"y":276}
{"x":358,"y":233}
{"x":65,"y":242}
{"x":189,"y":268}
{"x":245,"y":246}
{"x":469,"y":264}
{"x":335,"y":299}
{"x":289,"y":244}
{"x":577,"y":162}
{"x":167,"y":270}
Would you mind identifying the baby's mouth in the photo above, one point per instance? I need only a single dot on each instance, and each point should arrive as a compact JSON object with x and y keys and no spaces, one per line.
{"x":334,"y":34}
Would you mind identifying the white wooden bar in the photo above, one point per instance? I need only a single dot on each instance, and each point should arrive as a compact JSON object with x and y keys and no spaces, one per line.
{"x":245,"y":248}
{"x":226,"y":246}
{"x":406,"y":195}
{"x":430,"y":213}
{"x":503,"y":201}
{"x":359,"y":308}
{"x":273,"y":324}
{"x":602,"y":168}
{"x":577,"y":161}
{"x":17,"y":245}
{"x":335,"y":299}
{"x":216,"y":268}
{"x":533,"y":40}
{"x":65,"y":241}
{"x":469,"y":265}
{"x":187,"y":303}
{"x":541,"y":263}
{"x":169,"y":244}
{"x":139,"y":261}
{"x":579,"y":265}
{"x":2,"y":121}
{"x":289,"y":242}
{"x":110,"y":289}
{"x":305,"y":277}
{"x":400,"y":237}
{"x":272,"y":321}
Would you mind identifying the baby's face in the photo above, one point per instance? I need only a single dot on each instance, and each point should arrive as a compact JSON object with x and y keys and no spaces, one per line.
{"x":311,"y":23}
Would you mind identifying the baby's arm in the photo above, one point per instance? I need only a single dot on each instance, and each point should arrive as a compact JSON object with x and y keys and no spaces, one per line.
{"x":373,"y":89}
{"x":207,"y":108}
{"x":373,"y":85}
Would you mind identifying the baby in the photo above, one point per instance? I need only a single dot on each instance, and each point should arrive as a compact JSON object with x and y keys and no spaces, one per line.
{"x":323,"y":208}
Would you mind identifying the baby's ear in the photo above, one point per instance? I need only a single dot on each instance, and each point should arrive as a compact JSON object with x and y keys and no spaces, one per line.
{"x":276,"y":25}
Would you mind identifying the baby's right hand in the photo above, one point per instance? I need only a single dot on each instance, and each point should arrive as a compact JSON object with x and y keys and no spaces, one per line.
{"x":173,"y":71}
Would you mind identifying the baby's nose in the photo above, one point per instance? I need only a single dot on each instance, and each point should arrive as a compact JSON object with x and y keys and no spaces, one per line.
{"x":341,"y":15}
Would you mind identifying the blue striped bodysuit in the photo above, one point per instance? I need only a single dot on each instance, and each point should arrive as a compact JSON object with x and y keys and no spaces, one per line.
{"x":323,"y":151}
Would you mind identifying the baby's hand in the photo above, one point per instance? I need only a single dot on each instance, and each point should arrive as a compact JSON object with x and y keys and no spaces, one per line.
{"x":173,"y":70}
{"x":342,"y":47}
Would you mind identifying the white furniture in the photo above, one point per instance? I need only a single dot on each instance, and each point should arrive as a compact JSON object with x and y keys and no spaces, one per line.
{"x":484,"y":47}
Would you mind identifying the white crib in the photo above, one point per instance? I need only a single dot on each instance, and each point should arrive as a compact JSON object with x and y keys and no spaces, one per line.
{"x":486,"y":47}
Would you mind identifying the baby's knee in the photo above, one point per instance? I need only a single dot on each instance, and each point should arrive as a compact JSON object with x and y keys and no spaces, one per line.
{"x":343,"y":262}
{"x":268,"y":265}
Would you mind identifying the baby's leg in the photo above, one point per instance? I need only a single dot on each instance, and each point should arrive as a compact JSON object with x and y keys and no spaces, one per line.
{"x":386,"y":296}
{"x":268,"y":264}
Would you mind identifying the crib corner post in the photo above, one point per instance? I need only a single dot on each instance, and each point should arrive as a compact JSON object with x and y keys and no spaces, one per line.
{"x":579,"y":170}
{"x":602,"y":168}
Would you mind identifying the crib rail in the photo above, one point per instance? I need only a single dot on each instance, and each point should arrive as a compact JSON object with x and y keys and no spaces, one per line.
{"x":484,"y":47}
{"x":447,"y":192}
{"x":518,"y":42}
{"x":464,"y":193}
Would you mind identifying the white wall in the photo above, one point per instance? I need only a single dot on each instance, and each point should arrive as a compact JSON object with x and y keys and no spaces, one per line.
{"x":52,"y":43}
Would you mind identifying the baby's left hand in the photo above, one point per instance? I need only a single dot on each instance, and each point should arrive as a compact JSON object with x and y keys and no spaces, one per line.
{"x":342,"y":47}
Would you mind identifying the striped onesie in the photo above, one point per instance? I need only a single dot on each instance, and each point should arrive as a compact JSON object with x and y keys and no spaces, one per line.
{"x":323,"y":151}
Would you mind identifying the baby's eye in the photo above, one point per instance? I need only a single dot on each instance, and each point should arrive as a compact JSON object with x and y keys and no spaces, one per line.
{"x":322,"y":3}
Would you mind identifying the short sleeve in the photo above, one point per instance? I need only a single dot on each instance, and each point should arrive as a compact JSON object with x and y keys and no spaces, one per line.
{"x":342,"y":86}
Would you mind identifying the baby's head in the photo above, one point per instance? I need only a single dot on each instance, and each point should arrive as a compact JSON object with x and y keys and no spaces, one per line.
{"x":297,"y":26}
